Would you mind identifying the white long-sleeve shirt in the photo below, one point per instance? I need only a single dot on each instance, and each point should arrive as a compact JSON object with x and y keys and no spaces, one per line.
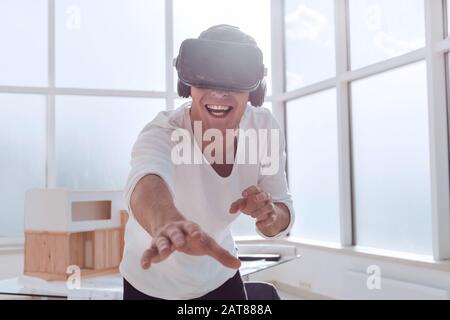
{"x":202,"y":196}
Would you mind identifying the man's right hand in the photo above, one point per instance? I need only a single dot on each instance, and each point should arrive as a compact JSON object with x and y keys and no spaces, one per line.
{"x":185,"y":236}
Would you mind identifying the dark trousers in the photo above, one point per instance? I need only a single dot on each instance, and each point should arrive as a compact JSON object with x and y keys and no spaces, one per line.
{"x":232,"y":289}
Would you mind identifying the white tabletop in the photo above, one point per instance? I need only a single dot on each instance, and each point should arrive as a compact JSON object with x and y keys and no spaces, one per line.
{"x":98,"y":288}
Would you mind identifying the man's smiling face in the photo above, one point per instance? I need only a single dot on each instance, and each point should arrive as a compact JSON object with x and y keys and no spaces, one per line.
{"x":218,"y":109}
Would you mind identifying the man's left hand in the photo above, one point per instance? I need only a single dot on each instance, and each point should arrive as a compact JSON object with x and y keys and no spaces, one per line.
{"x":271,"y":218}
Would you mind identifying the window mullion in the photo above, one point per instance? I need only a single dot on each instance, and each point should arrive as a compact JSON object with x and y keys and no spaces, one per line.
{"x":437,"y":113}
{"x":277,"y":42}
{"x":170,"y":97}
{"x":343,"y":119}
{"x":51,"y":154}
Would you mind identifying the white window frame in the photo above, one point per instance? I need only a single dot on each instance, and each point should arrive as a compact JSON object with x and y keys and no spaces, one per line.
{"x":51,"y":91}
{"x":434,"y":54}
{"x":436,"y":48}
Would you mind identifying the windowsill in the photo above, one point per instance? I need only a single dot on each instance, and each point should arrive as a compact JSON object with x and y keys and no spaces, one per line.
{"x":11,"y":245}
{"x":409,"y":259}
{"x":16,"y":246}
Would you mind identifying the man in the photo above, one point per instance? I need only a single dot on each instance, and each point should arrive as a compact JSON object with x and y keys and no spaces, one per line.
{"x":178,"y":243}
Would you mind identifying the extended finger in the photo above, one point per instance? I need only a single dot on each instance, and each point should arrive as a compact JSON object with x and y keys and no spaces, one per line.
{"x":237,"y":205}
{"x":164,"y":249}
{"x":250,"y":190}
{"x":220,"y":254}
{"x":148,"y":255}
{"x":175,"y":235}
{"x":191,"y":229}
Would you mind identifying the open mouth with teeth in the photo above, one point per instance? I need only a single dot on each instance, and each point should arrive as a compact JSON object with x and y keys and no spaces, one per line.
{"x":218,"y":111}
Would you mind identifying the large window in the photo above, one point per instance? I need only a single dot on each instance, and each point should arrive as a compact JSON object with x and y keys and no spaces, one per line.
{"x":87,"y":76}
{"x":22,"y":155}
{"x":372,"y":183}
{"x":110,"y":56}
{"x":391,"y":160}
{"x":382,"y":29}
{"x":313,"y":169}
{"x":309,"y":26}
{"x":110,"y":44}
{"x":23,"y":42}
{"x":94,"y":137}
{"x":363,"y":104}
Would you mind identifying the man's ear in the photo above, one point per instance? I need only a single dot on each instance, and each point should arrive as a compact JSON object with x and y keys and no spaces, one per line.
{"x":257,"y":96}
{"x":184,"y":90}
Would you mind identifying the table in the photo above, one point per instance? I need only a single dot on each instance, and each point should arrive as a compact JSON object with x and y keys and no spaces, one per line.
{"x":100,"y":288}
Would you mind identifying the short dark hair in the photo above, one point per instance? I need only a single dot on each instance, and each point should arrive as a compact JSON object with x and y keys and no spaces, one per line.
{"x":226,"y":32}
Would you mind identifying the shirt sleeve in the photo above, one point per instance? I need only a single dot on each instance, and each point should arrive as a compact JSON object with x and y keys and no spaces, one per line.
{"x":274,"y":181}
{"x":151,"y":154}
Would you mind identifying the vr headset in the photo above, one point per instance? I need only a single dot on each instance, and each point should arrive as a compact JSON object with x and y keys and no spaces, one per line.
{"x":221,"y":65}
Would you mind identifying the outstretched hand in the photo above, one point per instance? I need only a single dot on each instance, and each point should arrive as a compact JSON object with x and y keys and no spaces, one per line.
{"x":258,"y":204}
{"x":185,"y":236}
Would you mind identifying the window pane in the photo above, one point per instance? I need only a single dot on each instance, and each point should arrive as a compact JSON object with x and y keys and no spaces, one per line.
{"x":23,"y":42}
{"x":313,"y":165}
{"x":391,"y":161}
{"x":94,"y":137}
{"x":252,"y":16}
{"x":310,"y":49}
{"x":23,"y":156}
{"x":110,"y":44}
{"x":382,"y":29}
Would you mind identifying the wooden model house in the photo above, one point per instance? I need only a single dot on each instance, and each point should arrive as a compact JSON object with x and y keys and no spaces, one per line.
{"x":64,"y":228}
